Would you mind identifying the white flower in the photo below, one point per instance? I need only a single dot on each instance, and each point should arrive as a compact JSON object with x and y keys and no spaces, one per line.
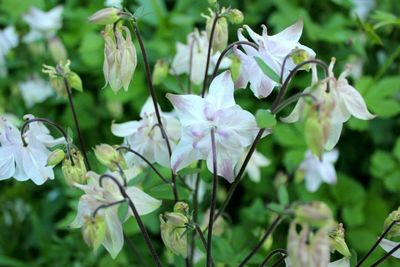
{"x":234,"y":128}
{"x":8,"y":40}
{"x":335,"y":107}
{"x":35,"y":90}
{"x":43,"y":25}
{"x":318,"y":171}
{"x":256,"y":161}
{"x":388,"y":245}
{"x":181,"y":61}
{"x":363,"y":7}
{"x":145,"y":136}
{"x":343,"y":262}
{"x":25,"y":162}
{"x":95,"y":196}
{"x":272,"y":50}
{"x":113,"y":3}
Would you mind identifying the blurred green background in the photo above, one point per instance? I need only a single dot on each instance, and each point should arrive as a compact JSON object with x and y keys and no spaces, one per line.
{"x":34,"y":220}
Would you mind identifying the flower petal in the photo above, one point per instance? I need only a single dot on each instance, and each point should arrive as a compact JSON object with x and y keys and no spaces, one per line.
{"x":124,"y":129}
{"x":114,"y":239}
{"x":143,"y":202}
{"x":189,"y":108}
{"x":7,"y":163}
{"x":388,"y":245}
{"x":184,"y":154}
{"x":355,"y":103}
{"x":221,"y":91}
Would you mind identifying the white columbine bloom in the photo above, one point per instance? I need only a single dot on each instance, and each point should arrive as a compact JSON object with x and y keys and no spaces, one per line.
{"x":272,"y":50}
{"x":8,"y":40}
{"x":335,"y":107}
{"x":35,"y":90}
{"x":25,"y":162}
{"x":144,"y":136}
{"x":234,"y":128}
{"x":254,"y":165}
{"x":95,"y":196}
{"x":43,"y":25}
{"x":317,"y":171}
{"x":198,"y":42}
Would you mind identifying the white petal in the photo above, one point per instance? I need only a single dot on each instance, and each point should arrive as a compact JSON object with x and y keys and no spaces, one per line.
{"x":7,"y":163}
{"x":221,"y":91}
{"x":291,"y":33}
{"x":124,"y":129}
{"x":334,"y":135}
{"x":355,"y":103}
{"x":34,"y":163}
{"x":388,"y":245}
{"x":143,"y":202}
{"x":227,"y":158}
{"x":114,"y":239}
{"x":344,"y":262}
{"x":85,"y":209}
{"x":188,"y":107}
{"x":184,"y":154}
{"x":148,"y":108}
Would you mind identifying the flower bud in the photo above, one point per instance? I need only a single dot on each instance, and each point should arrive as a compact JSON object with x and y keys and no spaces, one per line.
{"x":119,"y":57}
{"x":220,"y":38}
{"x":94,"y":231}
{"x":235,"y":16}
{"x":74,"y":171}
{"x":299,"y":56}
{"x":173,"y":232}
{"x":160,"y":71}
{"x":181,"y":207}
{"x":395,"y":230}
{"x":337,"y":241}
{"x":57,"y":49}
{"x":105,"y":16}
{"x":55,"y":157}
{"x":316,"y":214}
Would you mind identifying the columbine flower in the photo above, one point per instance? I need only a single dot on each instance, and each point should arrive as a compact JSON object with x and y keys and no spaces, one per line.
{"x":145,"y":136}
{"x":35,"y":90}
{"x":25,"y":162}
{"x":317,"y":171}
{"x":198,"y":42}
{"x":217,"y":111}
{"x":256,"y":161}
{"x":272,"y":50}
{"x":119,"y":57}
{"x":43,"y":25}
{"x":95,"y":196}
{"x":334,"y":107}
{"x":8,"y":40}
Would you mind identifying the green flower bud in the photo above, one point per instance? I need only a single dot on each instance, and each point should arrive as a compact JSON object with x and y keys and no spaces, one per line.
{"x":94,"y":231}
{"x":57,"y":50}
{"x":105,"y":16}
{"x":107,"y":155}
{"x":316,"y":214}
{"x":395,"y":230}
{"x":181,"y":207}
{"x":74,"y":81}
{"x":220,"y":39}
{"x":337,"y":241}
{"x":55,"y":157}
{"x":74,"y":172}
{"x":173,"y":230}
{"x":160,"y":71}
{"x":299,"y":55}
{"x":235,"y":16}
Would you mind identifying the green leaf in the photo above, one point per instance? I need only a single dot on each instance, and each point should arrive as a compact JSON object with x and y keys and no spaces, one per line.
{"x":267,"y":70}
{"x":189,"y":171}
{"x":265,"y":119}
{"x":75,"y":81}
{"x":164,"y":191}
{"x":396,"y":150}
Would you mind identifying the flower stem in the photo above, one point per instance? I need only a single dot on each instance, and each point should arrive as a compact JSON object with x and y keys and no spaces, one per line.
{"x":216,"y":18}
{"x":269,"y":231}
{"x":202,"y":238}
{"x":291,"y":100}
{"x":155,"y":103}
{"x":195,"y":209}
{"x":240,"y":174}
{"x":377,"y":242}
{"x":76,"y":121}
{"x":272,"y":254}
{"x":213,"y":199}
{"x":142,"y":228}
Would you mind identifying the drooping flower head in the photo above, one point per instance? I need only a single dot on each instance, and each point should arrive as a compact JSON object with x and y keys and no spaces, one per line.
{"x":217,"y":111}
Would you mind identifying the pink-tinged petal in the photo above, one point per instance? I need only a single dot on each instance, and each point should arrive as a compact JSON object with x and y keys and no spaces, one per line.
{"x":7,"y":163}
{"x":354,"y":102}
{"x":184,"y":154}
{"x":189,"y":108}
{"x":227,"y":158}
{"x":253,"y":35}
{"x":34,"y":163}
{"x":388,"y":245}
{"x":250,"y":51}
{"x":148,"y":108}
{"x":296,"y":113}
{"x":221,"y":91}
{"x":114,"y":239}
{"x":124,"y":129}
{"x":143,"y":202}
{"x":291,"y":33}
{"x":334,"y":135}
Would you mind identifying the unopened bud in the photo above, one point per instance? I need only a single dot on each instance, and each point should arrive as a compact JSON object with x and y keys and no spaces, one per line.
{"x":55,"y":157}
{"x":94,"y":231}
{"x":220,"y":38}
{"x":393,"y":217}
{"x":338,"y":242}
{"x":107,"y":155}
{"x":173,"y":232}
{"x":316,"y":214}
{"x":235,"y":16}
{"x":160,"y":71}
{"x":74,"y":171}
{"x":57,"y":49}
{"x":181,"y":207}
{"x":299,"y":56}
{"x":105,"y":16}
